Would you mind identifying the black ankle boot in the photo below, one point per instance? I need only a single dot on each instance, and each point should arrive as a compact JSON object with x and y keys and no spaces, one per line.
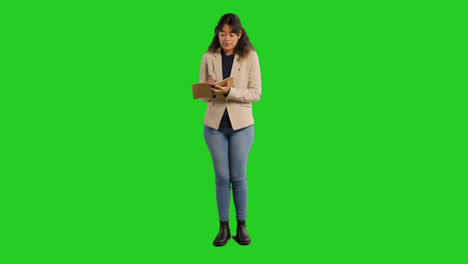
{"x":223,"y":235}
{"x":242,"y":237}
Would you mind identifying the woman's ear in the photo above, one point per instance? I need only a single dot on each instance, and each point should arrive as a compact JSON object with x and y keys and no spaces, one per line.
{"x":240,"y":33}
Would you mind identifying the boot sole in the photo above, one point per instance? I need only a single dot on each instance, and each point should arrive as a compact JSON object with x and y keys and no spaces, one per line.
{"x":241,"y":243}
{"x":220,"y":245}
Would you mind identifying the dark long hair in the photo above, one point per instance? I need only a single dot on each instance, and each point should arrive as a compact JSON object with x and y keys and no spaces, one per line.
{"x":243,"y":46}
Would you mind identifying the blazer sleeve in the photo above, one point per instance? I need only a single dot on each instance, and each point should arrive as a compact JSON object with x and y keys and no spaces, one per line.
{"x":204,"y":75}
{"x":254,"y":88}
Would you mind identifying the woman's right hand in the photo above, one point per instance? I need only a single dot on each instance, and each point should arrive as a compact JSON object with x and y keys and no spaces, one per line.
{"x":212,"y":80}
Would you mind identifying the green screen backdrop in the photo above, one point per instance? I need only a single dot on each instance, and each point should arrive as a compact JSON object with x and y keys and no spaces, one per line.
{"x":359,"y":147}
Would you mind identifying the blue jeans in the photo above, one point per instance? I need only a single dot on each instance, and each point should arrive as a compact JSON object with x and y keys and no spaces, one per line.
{"x":229,"y":150}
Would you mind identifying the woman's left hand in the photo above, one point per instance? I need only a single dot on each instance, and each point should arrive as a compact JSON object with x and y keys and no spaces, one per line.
{"x":220,"y":90}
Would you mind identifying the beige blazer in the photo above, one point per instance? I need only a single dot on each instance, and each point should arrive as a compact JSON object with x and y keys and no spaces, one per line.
{"x":247,"y":89}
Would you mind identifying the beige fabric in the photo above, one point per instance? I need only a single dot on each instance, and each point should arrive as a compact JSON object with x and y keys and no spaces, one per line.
{"x":247,"y":89}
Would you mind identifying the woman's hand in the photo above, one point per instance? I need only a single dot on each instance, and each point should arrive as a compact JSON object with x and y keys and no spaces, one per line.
{"x":220,"y":90}
{"x":212,"y":80}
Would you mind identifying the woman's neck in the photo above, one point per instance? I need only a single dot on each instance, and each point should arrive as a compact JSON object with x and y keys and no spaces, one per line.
{"x":230,"y":53}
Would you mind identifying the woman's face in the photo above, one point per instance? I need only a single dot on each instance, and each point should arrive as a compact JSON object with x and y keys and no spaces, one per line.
{"x":228,"y":39}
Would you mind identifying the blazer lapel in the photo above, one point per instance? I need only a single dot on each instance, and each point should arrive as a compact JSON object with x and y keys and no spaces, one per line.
{"x":218,"y":65}
{"x":235,"y":66}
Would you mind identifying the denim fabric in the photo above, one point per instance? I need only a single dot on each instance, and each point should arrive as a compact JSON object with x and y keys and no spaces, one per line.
{"x":229,"y":151}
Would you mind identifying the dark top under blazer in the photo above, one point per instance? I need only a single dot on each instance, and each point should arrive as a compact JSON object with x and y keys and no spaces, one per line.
{"x":227,"y":66}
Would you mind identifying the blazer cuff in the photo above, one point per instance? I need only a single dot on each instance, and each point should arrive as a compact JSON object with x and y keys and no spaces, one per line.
{"x":242,"y":95}
{"x":232,"y":92}
{"x":205,"y":99}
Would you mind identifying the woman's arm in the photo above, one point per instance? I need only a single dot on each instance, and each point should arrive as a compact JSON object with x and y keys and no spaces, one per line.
{"x":254,"y":88}
{"x":203,"y":75}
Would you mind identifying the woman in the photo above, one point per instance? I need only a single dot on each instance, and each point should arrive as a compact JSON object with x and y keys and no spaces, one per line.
{"x":228,"y":129}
